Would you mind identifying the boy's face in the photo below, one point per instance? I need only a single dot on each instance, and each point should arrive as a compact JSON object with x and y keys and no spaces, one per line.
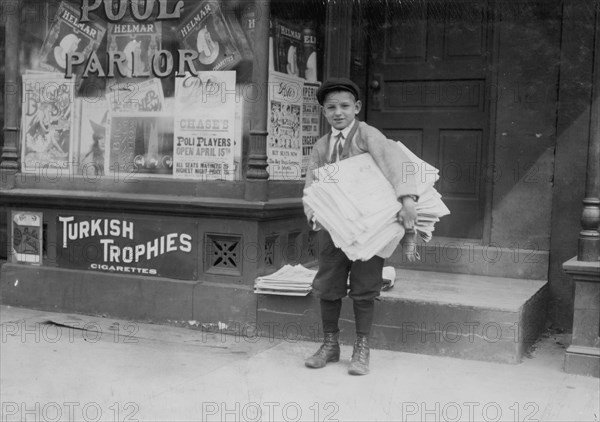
{"x":339,"y":108}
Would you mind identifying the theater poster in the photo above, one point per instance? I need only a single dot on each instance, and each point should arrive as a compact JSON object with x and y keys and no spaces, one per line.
{"x":89,"y":154}
{"x":47,"y":119}
{"x":205,"y":126}
{"x":311,"y":122}
{"x":284,"y":141}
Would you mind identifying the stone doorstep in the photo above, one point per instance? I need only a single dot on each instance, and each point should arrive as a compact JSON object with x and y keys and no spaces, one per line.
{"x":465,"y":316}
{"x":582,"y":360}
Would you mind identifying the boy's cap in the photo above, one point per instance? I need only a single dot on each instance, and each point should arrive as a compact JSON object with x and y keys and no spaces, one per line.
{"x":337,"y":84}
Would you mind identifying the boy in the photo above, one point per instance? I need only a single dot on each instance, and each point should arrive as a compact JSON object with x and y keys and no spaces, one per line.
{"x":349,"y":137}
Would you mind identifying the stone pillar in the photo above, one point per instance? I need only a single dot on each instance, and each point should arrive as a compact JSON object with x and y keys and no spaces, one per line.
{"x":589,"y":238}
{"x":9,"y":161}
{"x":583,"y":355}
{"x":257,"y":184}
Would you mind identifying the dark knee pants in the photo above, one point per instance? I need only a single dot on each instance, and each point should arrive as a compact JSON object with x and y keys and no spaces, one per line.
{"x":331,"y":281}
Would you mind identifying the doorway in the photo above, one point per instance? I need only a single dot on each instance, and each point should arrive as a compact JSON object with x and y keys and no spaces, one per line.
{"x":426,"y":87}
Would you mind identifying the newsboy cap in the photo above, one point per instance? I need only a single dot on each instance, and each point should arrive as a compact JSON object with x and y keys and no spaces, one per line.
{"x":337,"y":84}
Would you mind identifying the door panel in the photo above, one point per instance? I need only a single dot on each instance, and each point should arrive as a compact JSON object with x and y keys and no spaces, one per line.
{"x":434,"y":95}
{"x":460,"y":146}
{"x":428,"y":65}
{"x":413,"y":139}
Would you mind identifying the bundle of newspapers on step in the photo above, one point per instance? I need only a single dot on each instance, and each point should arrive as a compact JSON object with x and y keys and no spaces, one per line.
{"x":357,"y":205}
{"x":296,"y":280}
{"x":290,"y":280}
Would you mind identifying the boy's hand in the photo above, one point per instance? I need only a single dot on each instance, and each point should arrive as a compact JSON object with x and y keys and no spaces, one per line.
{"x":408,"y":214}
{"x":409,"y":246}
{"x":316,"y":226}
{"x":312,"y":221}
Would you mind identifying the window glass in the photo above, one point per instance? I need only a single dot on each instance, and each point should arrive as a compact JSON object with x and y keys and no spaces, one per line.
{"x":151,"y":89}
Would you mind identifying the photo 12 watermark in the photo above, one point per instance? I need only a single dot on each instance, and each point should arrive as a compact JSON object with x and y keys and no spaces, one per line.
{"x":269,"y":411}
{"x":68,"y":332}
{"x":469,"y":411}
{"x":69,"y":411}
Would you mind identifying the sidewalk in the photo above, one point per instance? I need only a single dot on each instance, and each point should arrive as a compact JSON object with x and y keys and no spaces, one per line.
{"x":114,"y":370}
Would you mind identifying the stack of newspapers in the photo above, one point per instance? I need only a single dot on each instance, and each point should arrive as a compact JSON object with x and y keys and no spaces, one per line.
{"x":357,"y":205}
{"x":290,"y":280}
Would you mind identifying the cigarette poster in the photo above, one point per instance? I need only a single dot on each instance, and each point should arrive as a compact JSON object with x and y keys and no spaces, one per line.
{"x":47,"y":118}
{"x":289,"y":48}
{"x":205,"y":126}
{"x":138,"y":42}
{"x":69,"y":35}
{"x":284,"y":141}
{"x":215,"y":34}
{"x":311,"y":122}
{"x":27,"y":230}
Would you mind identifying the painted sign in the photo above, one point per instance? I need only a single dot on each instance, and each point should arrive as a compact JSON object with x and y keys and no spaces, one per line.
{"x":127,"y":245}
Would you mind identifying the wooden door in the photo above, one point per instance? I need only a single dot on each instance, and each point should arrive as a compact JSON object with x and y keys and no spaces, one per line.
{"x":427,"y":79}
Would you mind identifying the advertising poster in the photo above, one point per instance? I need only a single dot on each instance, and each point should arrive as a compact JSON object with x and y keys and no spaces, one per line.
{"x":92,"y":137}
{"x":284,"y":141}
{"x":69,"y":35}
{"x":140,"y":144}
{"x":216,"y":35}
{"x":289,"y":48}
{"x":47,"y":119}
{"x":27,"y":231}
{"x":146,"y":247}
{"x":133,"y":96}
{"x":138,"y":41}
{"x":311,"y":122}
{"x":205,"y":126}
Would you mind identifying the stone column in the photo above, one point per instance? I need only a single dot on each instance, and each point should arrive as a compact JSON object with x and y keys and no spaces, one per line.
{"x":257,"y":184}
{"x":9,"y":163}
{"x":589,"y":238}
{"x":583,"y":355}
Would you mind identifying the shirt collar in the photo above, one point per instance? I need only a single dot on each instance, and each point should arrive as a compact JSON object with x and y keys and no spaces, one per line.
{"x":345,"y":131}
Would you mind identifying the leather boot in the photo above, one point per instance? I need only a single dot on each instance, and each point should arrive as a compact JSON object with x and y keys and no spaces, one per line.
{"x":359,"y":365}
{"x":328,"y":352}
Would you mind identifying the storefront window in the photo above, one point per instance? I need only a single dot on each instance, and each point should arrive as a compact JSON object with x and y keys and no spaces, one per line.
{"x":162,"y":88}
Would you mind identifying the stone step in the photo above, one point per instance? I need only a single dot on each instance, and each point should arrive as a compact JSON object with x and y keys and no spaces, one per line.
{"x":465,"y":316}
{"x":459,"y":315}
